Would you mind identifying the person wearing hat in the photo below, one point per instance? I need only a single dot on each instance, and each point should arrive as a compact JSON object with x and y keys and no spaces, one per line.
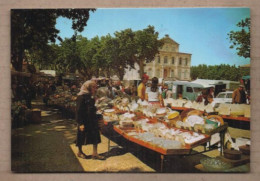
{"x":142,"y":88}
{"x":239,"y":95}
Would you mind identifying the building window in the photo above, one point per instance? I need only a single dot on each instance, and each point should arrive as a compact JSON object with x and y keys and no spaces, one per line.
{"x":165,"y":60}
{"x":159,"y":60}
{"x":158,"y":73}
{"x":180,"y":61}
{"x":150,"y":72}
{"x":172,"y":73}
{"x":179,"y":74}
{"x":186,"y":61}
{"x":173,"y":60}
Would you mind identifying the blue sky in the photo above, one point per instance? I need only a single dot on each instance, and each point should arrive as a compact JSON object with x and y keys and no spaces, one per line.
{"x":199,"y":31}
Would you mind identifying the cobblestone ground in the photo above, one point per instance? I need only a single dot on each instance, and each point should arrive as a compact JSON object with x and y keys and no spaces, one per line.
{"x":49,"y":147}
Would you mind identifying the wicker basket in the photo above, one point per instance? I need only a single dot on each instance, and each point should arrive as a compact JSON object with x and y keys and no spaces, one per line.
{"x":195,"y":112}
{"x":185,"y":113}
{"x":217,"y":118}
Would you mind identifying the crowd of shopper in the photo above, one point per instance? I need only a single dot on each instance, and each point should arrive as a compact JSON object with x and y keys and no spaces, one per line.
{"x":88,"y":131}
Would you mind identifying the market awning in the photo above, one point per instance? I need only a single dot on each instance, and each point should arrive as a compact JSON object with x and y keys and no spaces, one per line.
{"x":68,"y":78}
{"x":205,"y":83}
{"x":49,"y":72}
{"x":246,"y":77}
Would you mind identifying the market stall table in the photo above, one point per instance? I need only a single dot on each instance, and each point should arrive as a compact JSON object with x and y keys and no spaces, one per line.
{"x":225,"y":117}
{"x":185,"y":150}
{"x":238,"y":118}
{"x":109,"y":124}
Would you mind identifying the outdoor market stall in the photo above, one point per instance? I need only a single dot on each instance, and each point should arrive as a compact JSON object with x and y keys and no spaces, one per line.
{"x":160,"y":129}
{"x":236,"y":112}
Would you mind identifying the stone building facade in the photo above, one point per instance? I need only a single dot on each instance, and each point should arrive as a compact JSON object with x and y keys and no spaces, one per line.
{"x":170,"y":64}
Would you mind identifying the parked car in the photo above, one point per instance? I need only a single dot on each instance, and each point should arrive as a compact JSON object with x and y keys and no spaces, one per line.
{"x":222,"y":97}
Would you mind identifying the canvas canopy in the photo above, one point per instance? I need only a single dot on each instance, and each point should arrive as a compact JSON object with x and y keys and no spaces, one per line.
{"x":49,"y":72}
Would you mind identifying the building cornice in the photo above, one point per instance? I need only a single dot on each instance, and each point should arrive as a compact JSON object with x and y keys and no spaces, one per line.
{"x":169,"y":52}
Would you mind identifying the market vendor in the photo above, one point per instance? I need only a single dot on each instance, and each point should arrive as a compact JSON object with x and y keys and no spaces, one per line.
{"x":152,"y":94}
{"x":211,"y":91}
{"x":208,"y":100}
{"x":104,"y":91}
{"x":142,"y":87}
{"x":86,"y":117}
{"x":203,"y":96}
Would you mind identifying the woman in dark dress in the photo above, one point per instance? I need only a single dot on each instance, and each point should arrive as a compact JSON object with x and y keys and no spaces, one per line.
{"x":86,"y":117}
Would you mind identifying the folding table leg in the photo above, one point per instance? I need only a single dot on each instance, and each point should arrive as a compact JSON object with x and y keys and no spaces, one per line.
{"x":162,"y":162}
{"x":108,"y":145}
{"x":222,"y":142}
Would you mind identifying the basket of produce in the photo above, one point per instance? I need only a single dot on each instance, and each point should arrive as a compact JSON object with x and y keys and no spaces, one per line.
{"x":214,"y":164}
{"x":215,"y":119}
{"x":195,"y":112}
{"x":161,"y":112}
{"x":185,"y":113}
{"x":173,"y":117}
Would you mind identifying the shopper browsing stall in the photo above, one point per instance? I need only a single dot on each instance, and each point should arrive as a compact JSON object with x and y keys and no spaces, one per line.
{"x":86,"y":117}
{"x":152,"y":94}
{"x":239,"y":96}
{"x":142,"y":87}
{"x":208,"y":100}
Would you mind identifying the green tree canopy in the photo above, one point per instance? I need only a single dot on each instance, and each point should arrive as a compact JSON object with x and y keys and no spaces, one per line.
{"x":218,"y":72}
{"x":241,"y":39}
{"x":147,"y":46}
{"x":106,"y":56}
{"x":35,"y":28}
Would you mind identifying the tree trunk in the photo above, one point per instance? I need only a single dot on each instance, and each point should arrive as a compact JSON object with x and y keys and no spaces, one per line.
{"x":121,"y":76}
{"x":141,"y":68}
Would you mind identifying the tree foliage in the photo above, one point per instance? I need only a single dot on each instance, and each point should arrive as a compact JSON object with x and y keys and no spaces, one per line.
{"x":241,"y":39}
{"x":147,"y":46}
{"x":218,"y":72}
{"x":32,"y":30}
{"x":102,"y":56}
